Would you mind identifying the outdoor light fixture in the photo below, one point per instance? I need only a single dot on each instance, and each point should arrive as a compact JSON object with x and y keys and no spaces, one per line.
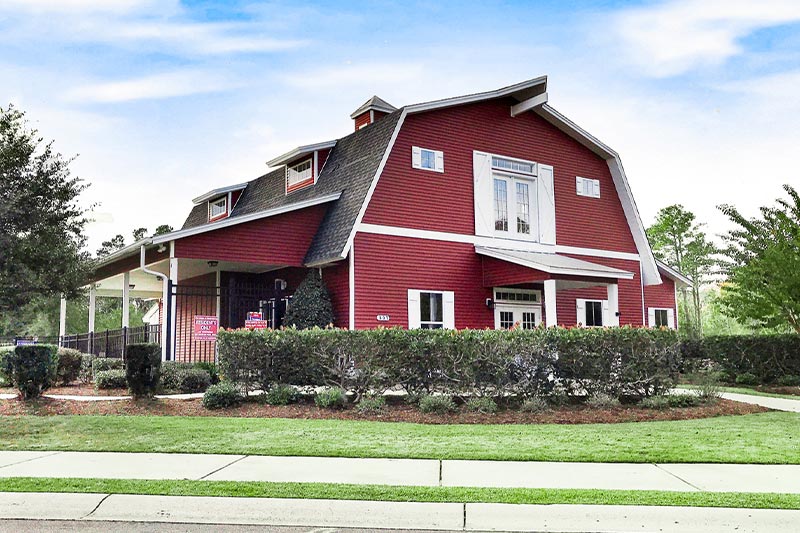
{"x":213,"y":264}
{"x":131,"y":286}
{"x":489,"y":303}
{"x":161,"y":249}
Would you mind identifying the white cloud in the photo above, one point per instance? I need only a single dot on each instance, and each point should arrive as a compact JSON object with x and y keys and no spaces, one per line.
{"x":356,"y":75}
{"x":83,"y":6}
{"x":679,"y":35}
{"x":157,"y":86}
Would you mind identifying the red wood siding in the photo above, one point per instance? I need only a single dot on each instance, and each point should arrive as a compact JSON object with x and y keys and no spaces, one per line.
{"x":422,"y":199}
{"x":279,"y":240}
{"x":661,"y":296}
{"x":361,"y":120}
{"x":497,"y":273}
{"x":234,"y":198}
{"x":336,"y":279}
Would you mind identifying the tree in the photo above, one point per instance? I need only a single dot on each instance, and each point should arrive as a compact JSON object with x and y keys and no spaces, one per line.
{"x":41,"y":222}
{"x":162,"y":229}
{"x":116,"y":242}
{"x":763,"y":264}
{"x":679,"y":241}
{"x":311,"y":304}
{"x":139,"y":234}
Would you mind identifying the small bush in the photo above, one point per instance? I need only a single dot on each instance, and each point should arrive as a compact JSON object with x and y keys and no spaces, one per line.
{"x":332,"y":398}
{"x":106,"y":363}
{"x":370,"y":405}
{"x":483,"y":405}
{"x":69,"y":365}
{"x":221,"y":395}
{"x":534,"y":405}
{"x":211,"y":369}
{"x":440,"y":405}
{"x":185,"y":378}
{"x":708,"y":389}
{"x":683,"y":400}
{"x":747,"y":379}
{"x":655,"y":402}
{"x":788,"y":381}
{"x":143,"y":369}
{"x":602,"y":401}
{"x":32,"y":369}
{"x":85,"y":375}
{"x":110,"y":379}
{"x":281,"y":394}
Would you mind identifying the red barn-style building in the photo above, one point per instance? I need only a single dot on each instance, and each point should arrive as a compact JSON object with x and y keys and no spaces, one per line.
{"x":478,"y":211}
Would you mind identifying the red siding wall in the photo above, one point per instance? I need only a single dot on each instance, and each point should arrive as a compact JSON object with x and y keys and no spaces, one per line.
{"x":279,"y":240}
{"x":361,"y":120}
{"x":336,"y":278}
{"x":422,"y":199}
{"x":662,"y":296}
{"x":498,"y":273}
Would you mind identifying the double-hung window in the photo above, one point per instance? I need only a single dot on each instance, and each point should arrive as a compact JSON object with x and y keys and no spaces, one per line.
{"x":514,"y":201}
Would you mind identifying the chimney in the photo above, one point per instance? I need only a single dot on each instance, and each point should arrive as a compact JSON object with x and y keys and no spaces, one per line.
{"x":371,"y":111}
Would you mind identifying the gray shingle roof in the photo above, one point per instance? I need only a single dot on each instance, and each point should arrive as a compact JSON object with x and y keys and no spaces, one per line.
{"x":349,"y":169}
{"x":375,"y":102}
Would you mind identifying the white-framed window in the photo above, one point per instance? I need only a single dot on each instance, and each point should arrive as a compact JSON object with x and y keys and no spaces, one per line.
{"x":592,"y":313}
{"x":661,"y":317}
{"x":515,"y":198}
{"x":299,"y":173}
{"x":218,"y":207}
{"x":429,"y":309}
{"x":587,"y":187}
{"x":518,"y":296}
{"x":426,"y":159}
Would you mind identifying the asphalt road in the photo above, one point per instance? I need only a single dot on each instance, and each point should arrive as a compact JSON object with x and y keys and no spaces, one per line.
{"x":69,"y":526}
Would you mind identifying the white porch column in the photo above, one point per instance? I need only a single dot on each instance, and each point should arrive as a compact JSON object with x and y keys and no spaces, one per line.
{"x":550,"y":313}
{"x":126,"y":299}
{"x":613,"y":304}
{"x":173,"y":301}
{"x":92,"y":304}
{"x":62,"y":319}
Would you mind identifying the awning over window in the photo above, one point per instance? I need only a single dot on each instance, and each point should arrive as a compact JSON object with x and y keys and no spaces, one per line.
{"x":554,"y":263}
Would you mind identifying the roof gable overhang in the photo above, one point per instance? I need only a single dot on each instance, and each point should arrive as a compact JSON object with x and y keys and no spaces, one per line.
{"x":531,"y":93}
{"x":214,"y":193}
{"x":673,"y":274}
{"x":299,"y":152}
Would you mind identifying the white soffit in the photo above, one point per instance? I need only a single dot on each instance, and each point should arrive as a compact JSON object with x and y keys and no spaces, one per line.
{"x":554,"y":263}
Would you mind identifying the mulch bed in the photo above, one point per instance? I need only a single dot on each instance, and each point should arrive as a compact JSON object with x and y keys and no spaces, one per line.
{"x":395,"y":412}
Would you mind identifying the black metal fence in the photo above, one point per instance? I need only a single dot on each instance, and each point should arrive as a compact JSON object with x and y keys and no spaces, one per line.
{"x":108,"y":343}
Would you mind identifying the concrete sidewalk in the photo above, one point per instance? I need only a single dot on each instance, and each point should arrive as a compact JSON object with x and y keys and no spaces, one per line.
{"x":396,"y":515}
{"x":406,"y":472}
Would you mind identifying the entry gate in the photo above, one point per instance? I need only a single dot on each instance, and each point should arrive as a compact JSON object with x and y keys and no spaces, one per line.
{"x":229,"y":304}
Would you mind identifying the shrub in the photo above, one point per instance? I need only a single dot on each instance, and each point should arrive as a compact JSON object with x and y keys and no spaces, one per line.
{"x":483,"y":405}
{"x":211,"y":370}
{"x":143,"y":369}
{"x":311,"y":304}
{"x":110,"y":379}
{"x":655,"y":402}
{"x":281,"y":394}
{"x":85,"y":375}
{"x":708,"y":387}
{"x":331,"y":398}
{"x":106,"y":363}
{"x":69,"y":365}
{"x":747,"y":378}
{"x":437,"y":404}
{"x":534,"y":405}
{"x":602,"y":401}
{"x":788,"y":381}
{"x":184,"y":378}
{"x":221,"y":395}
{"x":32,"y":369}
{"x":683,"y":400}
{"x":370,"y":405}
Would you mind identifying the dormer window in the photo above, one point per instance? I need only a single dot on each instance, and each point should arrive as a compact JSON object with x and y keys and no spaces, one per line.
{"x":299,"y":175}
{"x":218,"y":208}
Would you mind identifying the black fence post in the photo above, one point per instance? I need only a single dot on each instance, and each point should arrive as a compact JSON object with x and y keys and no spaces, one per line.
{"x":91,"y":343}
{"x":106,"y":350}
{"x":124,"y":341}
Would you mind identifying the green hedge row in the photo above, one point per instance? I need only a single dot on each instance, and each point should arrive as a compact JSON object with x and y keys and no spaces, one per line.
{"x":526,"y":363}
{"x":768,"y":357}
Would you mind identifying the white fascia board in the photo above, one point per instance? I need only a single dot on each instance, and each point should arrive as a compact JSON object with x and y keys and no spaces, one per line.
{"x":527,"y":105}
{"x":674,"y":274}
{"x":122,"y":253}
{"x":374,"y":107}
{"x":650,"y":275}
{"x":233,"y":221}
{"x":297,"y":152}
{"x":613,"y":273}
{"x":218,"y":192}
{"x":478,"y":97}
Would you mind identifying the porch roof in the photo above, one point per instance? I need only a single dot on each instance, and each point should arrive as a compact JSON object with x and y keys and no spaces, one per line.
{"x":554,"y":263}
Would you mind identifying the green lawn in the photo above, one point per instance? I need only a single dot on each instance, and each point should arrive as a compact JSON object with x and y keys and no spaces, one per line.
{"x":772,"y":437}
{"x":749,"y":391}
{"x":404,"y":494}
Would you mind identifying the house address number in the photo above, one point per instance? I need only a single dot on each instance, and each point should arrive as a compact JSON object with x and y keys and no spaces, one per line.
{"x":382,"y":318}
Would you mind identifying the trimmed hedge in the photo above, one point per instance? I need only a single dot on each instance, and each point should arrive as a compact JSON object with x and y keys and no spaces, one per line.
{"x":143,"y":369}
{"x":766,"y":357}
{"x":110,"y":379}
{"x":100,"y":364}
{"x":32,"y":369}
{"x":69,"y":365}
{"x":526,"y":363}
{"x":184,"y":377}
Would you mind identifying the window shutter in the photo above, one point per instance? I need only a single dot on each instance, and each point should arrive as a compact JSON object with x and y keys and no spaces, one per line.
{"x":449,"y":311}
{"x":547,"y":205}
{"x":579,"y":185}
{"x":484,"y":193}
{"x":581,"y":314}
{"x":413,"y":309}
{"x":416,"y":157}
{"x":607,"y":321}
{"x":651,"y":317}
{"x":439,"y":161}
{"x":596,"y":188}
{"x":671,"y":318}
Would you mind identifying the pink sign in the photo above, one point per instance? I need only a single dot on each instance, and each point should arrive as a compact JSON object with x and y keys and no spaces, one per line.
{"x":205,"y":328}
{"x":255,"y":324}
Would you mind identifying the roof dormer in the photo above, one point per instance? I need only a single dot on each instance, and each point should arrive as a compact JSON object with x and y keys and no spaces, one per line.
{"x":220,"y":202}
{"x":371,"y":111}
{"x":303,"y":164}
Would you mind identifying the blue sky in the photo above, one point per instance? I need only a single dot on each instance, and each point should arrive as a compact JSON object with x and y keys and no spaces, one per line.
{"x":163,"y":100}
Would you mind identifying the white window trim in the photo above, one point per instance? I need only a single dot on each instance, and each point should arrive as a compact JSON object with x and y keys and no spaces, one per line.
{"x":580,"y":304}
{"x":291,"y":168}
{"x":416,"y":159}
{"x":448,"y":308}
{"x":211,"y":203}
{"x":594,"y":187}
{"x":518,"y":291}
{"x":651,"y":316}
{"x":511,"y":179}
{"x":533,"y":164}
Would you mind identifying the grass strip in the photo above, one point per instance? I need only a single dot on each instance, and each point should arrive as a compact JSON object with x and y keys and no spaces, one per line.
{"x":748,"y":391}
{"x":400,"y":493}
{"x":764,"y":438}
